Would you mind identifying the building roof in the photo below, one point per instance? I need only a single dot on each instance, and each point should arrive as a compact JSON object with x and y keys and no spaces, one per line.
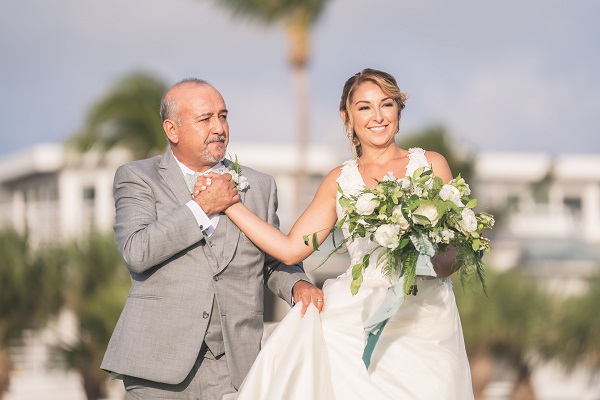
{"x":513,"y":167}
{"x":571,"y":167}
{"x":40,"y":158}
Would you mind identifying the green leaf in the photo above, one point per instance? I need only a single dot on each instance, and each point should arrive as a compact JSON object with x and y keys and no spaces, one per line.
{"x":357,"y":270}
{"x":344,"y":202}
{"x":472,"y":203}
{"x":355,"y":284}
{"x":422,"y":218}
{"x":315,"y":242}
{"x":418,"y":172}
{"x":475,"y":245}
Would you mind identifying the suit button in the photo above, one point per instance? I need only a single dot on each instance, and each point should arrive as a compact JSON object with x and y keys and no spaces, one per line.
{"x":215,"y":278}
{"x":205,"y":315}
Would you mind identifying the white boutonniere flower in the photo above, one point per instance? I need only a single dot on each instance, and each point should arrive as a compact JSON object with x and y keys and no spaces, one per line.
{"x":240,"y":181}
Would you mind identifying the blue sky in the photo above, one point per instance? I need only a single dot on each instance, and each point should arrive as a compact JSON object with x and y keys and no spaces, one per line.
{"x":501,"y":76}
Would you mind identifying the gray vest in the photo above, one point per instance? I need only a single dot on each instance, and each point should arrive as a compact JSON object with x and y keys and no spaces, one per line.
{"x":214,"y":249}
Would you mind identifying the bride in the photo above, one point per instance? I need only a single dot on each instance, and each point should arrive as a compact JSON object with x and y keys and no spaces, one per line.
{"x":421,"y":352}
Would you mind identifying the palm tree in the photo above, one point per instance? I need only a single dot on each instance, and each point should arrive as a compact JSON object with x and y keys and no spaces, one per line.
{"x":128,"y":116}
{"x":436,"y":138}
{"x":575,"y":339}
{"x":298,"y":17}
{"x":98,"y":284}
{"x":30,"y":292}
{"x":507,"y":326}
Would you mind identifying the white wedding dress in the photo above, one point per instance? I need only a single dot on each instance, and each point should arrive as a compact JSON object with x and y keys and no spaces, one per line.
{"x":420,"y":354}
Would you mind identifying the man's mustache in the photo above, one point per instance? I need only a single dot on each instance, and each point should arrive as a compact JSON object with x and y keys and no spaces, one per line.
{"x":217,"y":138}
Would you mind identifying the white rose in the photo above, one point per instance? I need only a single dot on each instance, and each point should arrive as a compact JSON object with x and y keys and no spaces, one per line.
{"x":366,"y":204}
{"x":398,"y":217}
{"x":447,"y":235}
{"x":449,"y":192}
{"x":388,"y":236}
{"x":234,"y":175}
{"x":467,"y":189}
{"x":468,"y":223}
{"x":418,"y":190}
{"x":404,"y":183}
{"x":389,"y":177}
{"x":242,"y":183}
{"x":429,"y":211}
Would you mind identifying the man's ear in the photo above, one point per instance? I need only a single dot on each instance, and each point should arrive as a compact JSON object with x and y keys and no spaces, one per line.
{"x":171,"y":130}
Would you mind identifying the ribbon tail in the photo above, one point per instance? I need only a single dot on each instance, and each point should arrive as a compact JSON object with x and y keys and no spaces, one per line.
{"x":374,"y":326}
{"x":424,"y":266}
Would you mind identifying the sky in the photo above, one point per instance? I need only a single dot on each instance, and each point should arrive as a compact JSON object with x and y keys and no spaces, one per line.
{"x":518,"y":76}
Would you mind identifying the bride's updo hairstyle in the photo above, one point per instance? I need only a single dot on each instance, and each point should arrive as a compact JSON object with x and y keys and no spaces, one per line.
{"x":388,"y":85}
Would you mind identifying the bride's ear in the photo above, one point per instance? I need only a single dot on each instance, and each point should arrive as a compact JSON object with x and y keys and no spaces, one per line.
{"x":343,"y":116}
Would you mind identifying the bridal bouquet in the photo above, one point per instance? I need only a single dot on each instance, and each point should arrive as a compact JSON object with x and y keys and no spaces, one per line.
{"x":411,"y":219}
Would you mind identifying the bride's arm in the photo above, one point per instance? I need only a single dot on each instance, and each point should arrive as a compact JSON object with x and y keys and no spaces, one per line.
{"x":290,"y":249}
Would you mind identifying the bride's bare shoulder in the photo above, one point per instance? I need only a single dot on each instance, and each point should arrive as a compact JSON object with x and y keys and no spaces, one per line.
{"x":333,"y":175}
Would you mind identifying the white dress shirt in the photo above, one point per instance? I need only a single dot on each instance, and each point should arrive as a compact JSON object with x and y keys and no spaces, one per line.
{"x":208,"y":223}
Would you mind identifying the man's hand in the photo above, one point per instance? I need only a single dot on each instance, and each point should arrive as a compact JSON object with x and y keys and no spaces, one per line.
{"x":215,"y":192}
{"x":307,"y":293}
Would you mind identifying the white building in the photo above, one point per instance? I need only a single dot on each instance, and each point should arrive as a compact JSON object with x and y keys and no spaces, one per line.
{"x":55,"y":193}
{"x":548,"y":211}
{"x":544,"y":197}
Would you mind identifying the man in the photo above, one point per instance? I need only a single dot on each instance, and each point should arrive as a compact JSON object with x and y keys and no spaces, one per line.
{"x":192,"y":323}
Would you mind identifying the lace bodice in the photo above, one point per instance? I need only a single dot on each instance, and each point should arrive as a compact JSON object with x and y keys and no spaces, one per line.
{"x":351,"y":183}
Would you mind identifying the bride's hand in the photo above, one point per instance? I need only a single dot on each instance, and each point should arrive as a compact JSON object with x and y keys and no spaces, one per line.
{"x":443,"y":262}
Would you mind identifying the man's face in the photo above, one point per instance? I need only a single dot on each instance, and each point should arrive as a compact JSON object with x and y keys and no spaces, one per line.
{"x":201,"y":129}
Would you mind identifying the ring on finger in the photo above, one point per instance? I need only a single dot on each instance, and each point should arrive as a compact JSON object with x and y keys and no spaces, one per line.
{"x":319,"y":300}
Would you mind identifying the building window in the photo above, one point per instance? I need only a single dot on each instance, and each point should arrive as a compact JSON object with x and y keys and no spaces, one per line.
{"x":573,"y":204}
{"x":89,"y":193}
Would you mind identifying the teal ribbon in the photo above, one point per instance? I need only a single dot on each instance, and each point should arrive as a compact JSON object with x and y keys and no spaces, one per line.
{"x":426,"y":250}
{"x":391,"y":303}
{"x":395,"y":296}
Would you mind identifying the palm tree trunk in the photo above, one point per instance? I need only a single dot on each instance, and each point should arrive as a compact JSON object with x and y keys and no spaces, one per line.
{"x":300,"y":81}
{"x":482,"y":368}
{"x":523,"y":389}
{"x":5,"y":367}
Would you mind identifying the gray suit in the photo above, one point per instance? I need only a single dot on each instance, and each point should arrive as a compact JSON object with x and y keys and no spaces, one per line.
{"x":177,"y":273}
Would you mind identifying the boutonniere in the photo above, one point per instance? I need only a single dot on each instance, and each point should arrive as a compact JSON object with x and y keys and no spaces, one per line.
{"x":241,"y":182}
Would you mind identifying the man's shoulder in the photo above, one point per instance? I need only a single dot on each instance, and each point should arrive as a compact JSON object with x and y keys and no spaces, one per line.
{"x":144,"y":164}
{"x":245,"y":170}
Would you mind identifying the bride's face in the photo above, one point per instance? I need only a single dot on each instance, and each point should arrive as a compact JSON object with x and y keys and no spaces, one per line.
{"x":374,"y":115}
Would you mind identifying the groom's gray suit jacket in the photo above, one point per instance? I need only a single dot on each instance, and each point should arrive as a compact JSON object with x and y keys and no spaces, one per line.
{"x":177,"y":273}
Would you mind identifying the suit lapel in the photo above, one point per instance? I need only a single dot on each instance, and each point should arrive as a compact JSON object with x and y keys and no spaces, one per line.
{"x":171,"y":173}
{"x":173,"y":177}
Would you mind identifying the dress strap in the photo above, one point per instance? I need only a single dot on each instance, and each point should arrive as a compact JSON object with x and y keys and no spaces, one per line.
{"x":416,"y":159}
{"x":350,"y":180}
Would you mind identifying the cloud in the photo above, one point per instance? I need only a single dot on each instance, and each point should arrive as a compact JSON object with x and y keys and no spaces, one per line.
{"x":507,"y":75}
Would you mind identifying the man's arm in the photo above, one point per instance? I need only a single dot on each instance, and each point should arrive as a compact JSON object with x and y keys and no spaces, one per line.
{"x":143,"y":239}
{"x":288,"y":282}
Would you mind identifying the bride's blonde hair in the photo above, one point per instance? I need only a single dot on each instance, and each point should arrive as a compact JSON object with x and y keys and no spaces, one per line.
{"x":386,"y":82}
